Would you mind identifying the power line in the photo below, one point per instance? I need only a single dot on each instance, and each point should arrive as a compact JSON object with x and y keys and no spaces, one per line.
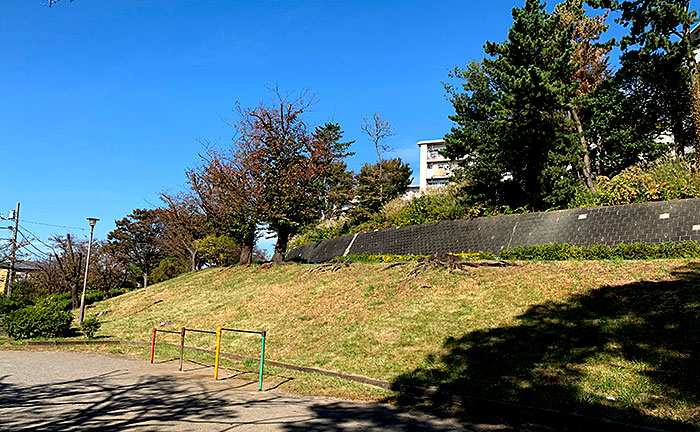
{"x":53,"y":225}
{"x":29,"y":243}
{"x":35,"y":237}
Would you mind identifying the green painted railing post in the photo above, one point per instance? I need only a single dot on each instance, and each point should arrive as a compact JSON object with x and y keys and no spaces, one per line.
{"x":262,"y":361}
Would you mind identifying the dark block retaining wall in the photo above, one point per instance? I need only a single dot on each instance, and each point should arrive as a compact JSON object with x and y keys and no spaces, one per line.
{"x":657,"y":222}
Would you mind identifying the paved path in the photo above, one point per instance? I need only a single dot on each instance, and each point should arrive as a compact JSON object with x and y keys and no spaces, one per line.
{"x":81,"y":391}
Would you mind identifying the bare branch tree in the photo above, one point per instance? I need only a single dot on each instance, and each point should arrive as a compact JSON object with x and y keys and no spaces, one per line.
{"x":378,"y":129}
{"x":50,"y":3}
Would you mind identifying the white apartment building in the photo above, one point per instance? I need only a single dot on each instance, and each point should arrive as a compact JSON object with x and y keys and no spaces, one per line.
{"x":435,"y":168}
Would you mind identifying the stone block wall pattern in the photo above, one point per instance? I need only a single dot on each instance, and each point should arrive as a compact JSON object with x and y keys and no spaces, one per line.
{"x":656,"y":222}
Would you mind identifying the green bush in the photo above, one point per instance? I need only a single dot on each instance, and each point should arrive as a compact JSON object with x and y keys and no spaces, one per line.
{"x":61,"y":301}
{"x":635,"y":251}
{"x":664,"y":179}
{"x":37,"y":321}
{"x":93,"y":296}
{"x":219,"y":250}
{"x":90,"y":326}
{"x":366,"y":258}
{"x":8,"y":305}
{"x":29,"y":289}
{"x":167,"y":268}
{"x":117,"y":292}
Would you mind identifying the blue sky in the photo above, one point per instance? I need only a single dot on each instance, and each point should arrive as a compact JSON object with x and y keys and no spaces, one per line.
{"x":103,"y":102}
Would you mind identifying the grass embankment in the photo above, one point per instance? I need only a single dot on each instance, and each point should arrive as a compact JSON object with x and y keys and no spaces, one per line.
{"x":611,"y":339}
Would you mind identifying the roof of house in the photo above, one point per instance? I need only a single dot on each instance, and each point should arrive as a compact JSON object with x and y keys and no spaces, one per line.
{"x":22,"y":266}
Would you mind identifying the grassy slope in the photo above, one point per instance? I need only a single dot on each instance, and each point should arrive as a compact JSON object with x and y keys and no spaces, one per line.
{"x":570,"y":335}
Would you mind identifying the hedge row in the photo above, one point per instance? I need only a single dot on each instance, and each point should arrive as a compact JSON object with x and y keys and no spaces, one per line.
{"x":37,"y":321}
{"x":635,"y":251}
{"x":366,"y":258}
{"x":561,"y":252}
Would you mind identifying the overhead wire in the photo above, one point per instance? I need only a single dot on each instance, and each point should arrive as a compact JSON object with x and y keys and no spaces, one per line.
{"x":34,"y":236}
{"x":29,"y":243}
{"x":53,"y":225}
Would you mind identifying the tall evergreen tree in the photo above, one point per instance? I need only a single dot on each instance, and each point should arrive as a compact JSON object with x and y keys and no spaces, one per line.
{"x":511,"y":120}
{"x":339,"y":183}
{"x":658,"y":56}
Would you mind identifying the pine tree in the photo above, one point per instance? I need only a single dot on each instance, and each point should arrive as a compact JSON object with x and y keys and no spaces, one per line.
{"x":511,"y":120}
{"x":659,"y":52}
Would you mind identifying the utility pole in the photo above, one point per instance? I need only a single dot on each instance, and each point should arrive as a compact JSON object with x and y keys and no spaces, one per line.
{"x":13,"y":254}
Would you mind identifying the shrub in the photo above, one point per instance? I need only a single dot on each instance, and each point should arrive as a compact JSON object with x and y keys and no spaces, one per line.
{"x":635,"y":251}
{"x":61,"y":301}
{"x":168,"y":268}
{"x":117,"y":292}
{"x":219,"y":250}
{"x":90,"y":326}
{"x":29,"y":289}
{"x":93,"y":296}
{"x":366,"y":258}
{"x":8,"y":305}
{"x":664,"y":179}
{"x":37,"y":321}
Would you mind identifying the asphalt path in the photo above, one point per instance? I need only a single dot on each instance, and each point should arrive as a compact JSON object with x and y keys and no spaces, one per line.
{"x":55,"y":390}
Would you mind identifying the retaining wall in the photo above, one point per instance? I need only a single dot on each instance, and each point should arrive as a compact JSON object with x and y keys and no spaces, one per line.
{"x":657,"y":222}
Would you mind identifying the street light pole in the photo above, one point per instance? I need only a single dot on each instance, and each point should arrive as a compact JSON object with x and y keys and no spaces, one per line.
{"x":92,"y":221}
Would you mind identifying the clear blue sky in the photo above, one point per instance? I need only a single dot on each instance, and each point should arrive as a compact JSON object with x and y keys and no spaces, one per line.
{"x":103,"y":101}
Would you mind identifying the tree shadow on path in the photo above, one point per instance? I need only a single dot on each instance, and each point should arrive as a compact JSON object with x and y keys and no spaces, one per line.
{"x":120,"y":401}
{"x":639,"y":342}
{"x":105,"y":402}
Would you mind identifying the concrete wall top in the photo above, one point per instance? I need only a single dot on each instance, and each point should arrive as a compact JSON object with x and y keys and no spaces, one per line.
{"x":656,"y":222}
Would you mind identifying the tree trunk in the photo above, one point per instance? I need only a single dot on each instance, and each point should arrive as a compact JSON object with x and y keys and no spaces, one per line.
{"x":75,"y":301}
{"x":145,"y":279}
{"x":246,"y":256}
{"x":193,"y":261}
{"x":695,"y":104}
{"x":679,"y":141}
{"x":381,"y":178}
{"x":281,"y":246}
{"x":586,"y":155}
{"x":247,"y":250}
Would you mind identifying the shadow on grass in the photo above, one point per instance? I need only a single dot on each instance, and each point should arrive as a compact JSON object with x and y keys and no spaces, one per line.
{"x":637,"y":343}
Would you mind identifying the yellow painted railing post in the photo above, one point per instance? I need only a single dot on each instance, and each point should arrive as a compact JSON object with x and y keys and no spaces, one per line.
{"x":218,"y":351}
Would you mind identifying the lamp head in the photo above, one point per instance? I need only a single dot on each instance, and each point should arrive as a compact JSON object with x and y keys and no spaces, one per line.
{"x":92,"y":221}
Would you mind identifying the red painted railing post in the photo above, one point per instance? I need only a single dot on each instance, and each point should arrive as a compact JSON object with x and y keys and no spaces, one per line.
{"x":153,"y":344}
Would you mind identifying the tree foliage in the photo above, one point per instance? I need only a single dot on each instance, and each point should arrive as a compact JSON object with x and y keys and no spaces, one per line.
{"x":658,"y":57}
{"x":511,"y":118}
{"x":339,"y":182}
{"x":184,"y":224}
{"x":289,"y":163}
{"x":228,"y":194}
{"x":378,"y":184}
{"x":63,"y":270}
{"x":136,"y":239}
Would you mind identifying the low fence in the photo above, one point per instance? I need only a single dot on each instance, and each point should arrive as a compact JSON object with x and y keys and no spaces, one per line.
{"x":657,"y":222}
{"x":218,"y":333}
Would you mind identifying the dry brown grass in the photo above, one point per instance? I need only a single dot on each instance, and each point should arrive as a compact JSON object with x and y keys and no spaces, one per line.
{"x":362,"y":308}
{"x":364,"y":320}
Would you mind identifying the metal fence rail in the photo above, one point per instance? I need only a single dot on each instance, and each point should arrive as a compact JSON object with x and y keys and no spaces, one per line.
{"x":218,"y":333}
